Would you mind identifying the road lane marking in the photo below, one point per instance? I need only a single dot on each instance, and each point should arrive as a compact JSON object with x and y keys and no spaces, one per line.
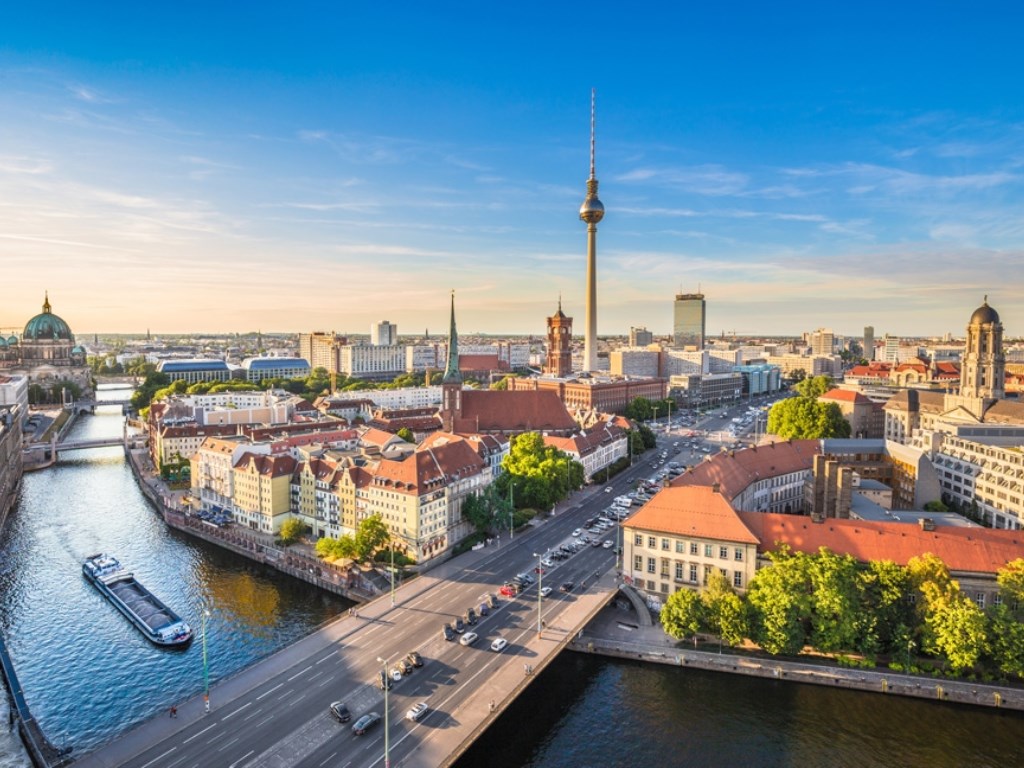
{"x":236,"y":711}
{"x":155,"y":759}
{"x":300,"y":673}
{"x":325,"y":762}
{"x":242,"y":758}
{"x":196,"y":736}
{"x":279,"y":685}
{"x":254,"y":714}
{"x":228,"y":744}
{"x":328,"y":657}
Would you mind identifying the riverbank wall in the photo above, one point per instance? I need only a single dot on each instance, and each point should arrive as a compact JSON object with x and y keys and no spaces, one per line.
{"x":872,"y":681}
{"x":40,"y":751}
{"x":347,"y":582}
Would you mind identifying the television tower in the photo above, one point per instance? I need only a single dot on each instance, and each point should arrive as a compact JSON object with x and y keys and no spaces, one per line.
{"x":592,"y":211}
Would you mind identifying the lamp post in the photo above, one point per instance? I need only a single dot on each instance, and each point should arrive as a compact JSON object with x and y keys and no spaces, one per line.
{"x":540,"y":587}
{"x":392,"y":574}
{"x":910,"y":646}
{"x":511,"y":509}
{"x":206,"y":666}
{"x":387,"y":685}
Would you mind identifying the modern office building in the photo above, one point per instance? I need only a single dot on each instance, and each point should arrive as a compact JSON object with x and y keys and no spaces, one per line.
{"x":259,"y":368}
{"x":383,"y":334}
{"x":822,"y":341}
{"x":640,"y":337}
{"x":322,"y":350}
{"x":688,"y":320}
{"x":869,"y":343}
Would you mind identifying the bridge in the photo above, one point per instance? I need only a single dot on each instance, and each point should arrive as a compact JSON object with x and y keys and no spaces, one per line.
{"x":275,"y":713}
{"x":53,"y":448}
{"x":90,"y":405}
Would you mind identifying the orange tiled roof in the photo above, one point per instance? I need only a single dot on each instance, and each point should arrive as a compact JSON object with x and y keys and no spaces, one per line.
{"x":481,"y":363}
{"x":964,"y":550}
{"x":845,"y":395}
{"x":514,"y":412}
{"x":734,"y":471}
{"x":694,"y":510}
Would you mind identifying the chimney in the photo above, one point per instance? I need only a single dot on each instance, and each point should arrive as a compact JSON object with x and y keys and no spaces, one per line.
{"x":817,"y":517}
{"x":927,"y":524}
{"x":716,"y":488}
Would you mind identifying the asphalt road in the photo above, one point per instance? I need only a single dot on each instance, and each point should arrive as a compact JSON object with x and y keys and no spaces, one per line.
{"x":284,"y":719}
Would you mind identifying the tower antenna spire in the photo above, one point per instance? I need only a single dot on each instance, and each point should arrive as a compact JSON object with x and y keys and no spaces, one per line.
{"x":593,"y":126}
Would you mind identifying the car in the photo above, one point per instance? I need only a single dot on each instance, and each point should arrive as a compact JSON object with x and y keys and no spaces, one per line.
{"x":547,"y":562}
{"x":396,"y":674}
{"x":577,"y":533}
{"x":415,"y":659}
{"x":403,"y":667}
{"x":340,"y":712}
{"x":567,"y":586}
{"x":460,"y":626}
{"x":595,"y":543}
{"x":499,"y":645}
{"x":539,"y":570}
{"x":608,"y":489}
{"x":470,"y":616}
{"x":608,"y":544}
{"x":469,"y":638}
{"x":492,"y":600}
{"x":383,"y":681}
{"x":509,"y":590}
{"x":365,"y":723}
{"x":447,"y":632}
{"x":417,"y":711}
{"x":484,"y":609}
{"x":545,"y":592}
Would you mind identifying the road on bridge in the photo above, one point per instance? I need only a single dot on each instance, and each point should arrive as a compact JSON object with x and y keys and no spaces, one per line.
{"x":276,"y":713}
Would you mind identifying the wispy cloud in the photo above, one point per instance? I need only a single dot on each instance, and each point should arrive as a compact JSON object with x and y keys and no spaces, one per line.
{"x":710,"y":180}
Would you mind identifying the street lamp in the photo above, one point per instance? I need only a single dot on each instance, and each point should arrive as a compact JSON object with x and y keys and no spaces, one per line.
{"x":540,"y":588}
{"x":392,"y":573}
{"x":910,"y":646}
{"x":511,"y":509}
{"x":206,"y":667}
{"x":387,"y":685}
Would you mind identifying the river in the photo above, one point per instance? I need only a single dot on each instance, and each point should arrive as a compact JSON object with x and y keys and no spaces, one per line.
{"x":88,"y":674}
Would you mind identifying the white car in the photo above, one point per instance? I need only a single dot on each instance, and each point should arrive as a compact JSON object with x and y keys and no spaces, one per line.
{"x":608,"y":544}
{"x":469,"y":638}
{"x":499,"y":645}
{"x":577,"y":533}
{"x":545,"y":592}
{"x":417,"y":711}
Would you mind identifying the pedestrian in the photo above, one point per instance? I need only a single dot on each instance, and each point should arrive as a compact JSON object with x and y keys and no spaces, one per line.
{"x":174,"y":711}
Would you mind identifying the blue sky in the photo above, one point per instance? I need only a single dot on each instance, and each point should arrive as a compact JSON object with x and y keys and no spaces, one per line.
{"x":314,"y":167}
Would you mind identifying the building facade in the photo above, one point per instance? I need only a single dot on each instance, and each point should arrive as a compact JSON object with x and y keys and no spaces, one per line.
{"x":559,"y":350}
{"x":688,"y":320}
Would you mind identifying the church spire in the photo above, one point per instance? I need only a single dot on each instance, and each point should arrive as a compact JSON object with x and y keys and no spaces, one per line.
{"x":451,"y":371}
{"x":46,"y":303}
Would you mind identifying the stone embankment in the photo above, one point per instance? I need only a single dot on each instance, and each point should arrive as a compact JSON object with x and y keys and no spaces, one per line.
{"x":663,"y":651}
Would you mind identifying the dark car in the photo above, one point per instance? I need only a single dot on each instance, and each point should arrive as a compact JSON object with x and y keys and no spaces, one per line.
{"x":470,"y":616}
{"x":365,"y":723}
{"x":447,"y":632}
{"x":567,"y":586}
{"x":460,"y":626}
{"x":484,"y":609}
{"x":415,"y":659}
{"x":340,"y":712}
{"x":404,"y":667}
{"x":492,"y":600}
{"x":383,"y":681}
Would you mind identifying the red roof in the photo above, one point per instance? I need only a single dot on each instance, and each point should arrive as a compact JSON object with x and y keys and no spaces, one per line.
{"x":481,"y":363}
{"x":734,"y":471}
{"x":513,"y":412}
{"x":964,"y":550}
{"x":696,"y":511}
{"x":845,"y":395}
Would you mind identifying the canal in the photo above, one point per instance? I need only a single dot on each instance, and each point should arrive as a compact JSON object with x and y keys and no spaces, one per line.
{"x":88,"y":674}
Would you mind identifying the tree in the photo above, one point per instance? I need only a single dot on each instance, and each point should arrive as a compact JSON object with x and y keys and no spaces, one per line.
{"x":371,"y":534}
{"x":487,"y":511}
{"x":342,"y":547}
{"x":780,"y":602}
{"x":886,"y":613}
{"x":806,"y":418}
{"x":798,"y":375}
{"x":682,"y":614}
{"x":957,"y":629}
{"x":814,"y":386}
{"x":291,"y":530}
{"x":835,"y":601}
{"x":724,"y":613}
{"x":406,"y":434}
{"x":639,"y":409}
{"x":537,"y":472}
{"x":1006,"y":640}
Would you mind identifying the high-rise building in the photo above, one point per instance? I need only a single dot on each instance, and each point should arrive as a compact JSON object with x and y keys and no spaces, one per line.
{"x":640,"y":337}
{"x":869,"y":342}
{"x":559,"y":357}
{"x":322,"y":350}
{"x":383,"y":334}
{"x":822,"y":341}
{"x":592,"y":211}
{"x":688,"y":320}
{"x":891,"y":349}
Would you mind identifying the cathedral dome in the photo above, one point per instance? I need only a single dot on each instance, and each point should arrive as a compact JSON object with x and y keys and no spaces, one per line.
{"x":984,"y":315}
{"x":47,"y":326}
{"x":12,"y":341}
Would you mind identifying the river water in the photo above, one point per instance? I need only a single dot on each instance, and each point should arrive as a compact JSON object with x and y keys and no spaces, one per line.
{"x":88,"y":674}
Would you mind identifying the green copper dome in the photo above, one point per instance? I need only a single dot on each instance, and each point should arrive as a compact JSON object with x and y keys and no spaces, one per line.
{"x":47,"y":327}
{"x":12,"y":341}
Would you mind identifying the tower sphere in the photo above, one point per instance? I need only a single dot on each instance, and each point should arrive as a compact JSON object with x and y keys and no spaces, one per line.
{"x":592,"y":210}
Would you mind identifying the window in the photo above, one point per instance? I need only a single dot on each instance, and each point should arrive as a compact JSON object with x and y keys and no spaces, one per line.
{"x":738,"y":554}
{"x":652,"y":543}
{"x":651,"y":564}
{"x":707,"y":573}
{"x":737,"y":578}
{"x":664,"y":586}
{"x":693,"y":547}
{"x":707,"y":551}
{"x":665,"y":544}
{"x":680,"y":547}
{"x":693,"y":573}
{"x":723,"y":553}
{"x":980,"y":599}
{"x":679,"y":570}
{"x":638,"y":539}
{"x":638,"y":562}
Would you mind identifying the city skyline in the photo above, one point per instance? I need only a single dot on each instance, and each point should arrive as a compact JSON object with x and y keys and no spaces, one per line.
{"x":323,"y":171}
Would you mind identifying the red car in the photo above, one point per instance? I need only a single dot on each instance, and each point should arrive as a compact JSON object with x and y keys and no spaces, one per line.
{"x":509,"y":590}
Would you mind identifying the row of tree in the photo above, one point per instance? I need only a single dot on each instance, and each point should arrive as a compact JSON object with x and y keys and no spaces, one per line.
{"x":834,"y":605}
{"x":370,"y":537}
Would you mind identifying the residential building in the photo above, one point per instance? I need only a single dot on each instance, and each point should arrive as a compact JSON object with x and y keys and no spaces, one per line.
{"x":383,"y":334}
{"x":821,"y":342}
{"x":866,"y":418}
{"x":364,"y":361}
{"x":262,"y":491}
{"x":596,"y":448}
{"x":630,"y":361}
{"x":322,"y":350}
{"x":640,"y":337}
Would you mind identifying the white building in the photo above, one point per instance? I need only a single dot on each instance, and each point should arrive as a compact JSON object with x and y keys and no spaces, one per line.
{"x":383,"y":334}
